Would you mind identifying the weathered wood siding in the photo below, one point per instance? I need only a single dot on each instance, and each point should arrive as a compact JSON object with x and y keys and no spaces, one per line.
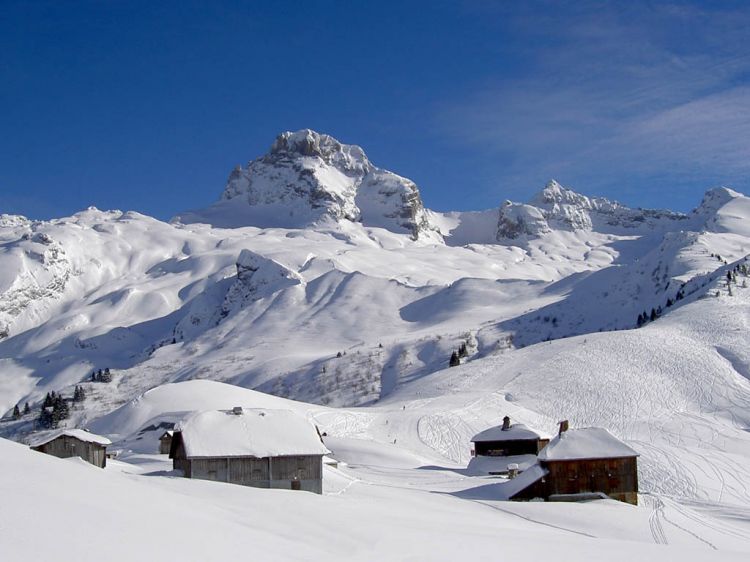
{"x":618,"y":478}
{"x":177,"y":454}
{"x":305,"y":469}
{"x":269,"y":472}
{"x":66,"y":446}
{"x":165,"y":444}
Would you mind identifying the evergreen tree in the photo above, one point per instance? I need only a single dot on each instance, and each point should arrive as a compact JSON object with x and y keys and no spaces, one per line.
{"x":47,"y":401}
{"x":16,"y":412}
{"x":454,"y":360}
{"x":462,"y":351}
{"x":60,"y":411}
{"x":26,"y":408}
{"x":106,"y":376}
{"x":45,"y":418}
{"x":669,"y":303}
{"x":639,"y":323}
{"x":653,"y":315}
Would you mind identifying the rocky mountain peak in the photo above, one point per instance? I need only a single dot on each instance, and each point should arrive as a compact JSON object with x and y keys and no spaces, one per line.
{"x":309,"y":176}
{"x":558,"y":208}
{"x":307,"y":143}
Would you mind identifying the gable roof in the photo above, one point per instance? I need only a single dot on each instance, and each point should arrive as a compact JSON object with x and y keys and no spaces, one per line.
{"x":585,"y":443}
{"x":515,"y":432}
{"x":254,"y":433}
{"x":79,"y":434}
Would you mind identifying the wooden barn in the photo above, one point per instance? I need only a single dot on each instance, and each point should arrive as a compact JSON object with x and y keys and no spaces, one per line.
{"x":165,"y":442}
{"x":251,"y":447}
{"x":66,"y":443}
{"x":581,"y":463}
{"x":497,"y":448}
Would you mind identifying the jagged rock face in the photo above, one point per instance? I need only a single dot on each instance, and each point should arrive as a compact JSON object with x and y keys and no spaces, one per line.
{"x":517,"y":220}
{"x":315,"y":176}
{"x":557,"y":208}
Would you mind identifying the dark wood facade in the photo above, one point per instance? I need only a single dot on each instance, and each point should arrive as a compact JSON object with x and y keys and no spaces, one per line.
{"x":615,"y":477}
{"x":66,"y":446}
{"x":165,"y":443}
{"x":509,"y":448}
{"x":290,"y":472}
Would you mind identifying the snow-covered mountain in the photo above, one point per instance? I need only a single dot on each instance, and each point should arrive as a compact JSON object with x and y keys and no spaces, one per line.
{"x":308,"y":178}
{"x":319,"y":276}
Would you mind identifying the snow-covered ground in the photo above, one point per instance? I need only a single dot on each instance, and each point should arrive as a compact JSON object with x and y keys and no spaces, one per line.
{"x":393,"y":496}
{"x":321,"y":278}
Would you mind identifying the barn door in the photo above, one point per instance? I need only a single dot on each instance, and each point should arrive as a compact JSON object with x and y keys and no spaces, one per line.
{"x":296,"y":485}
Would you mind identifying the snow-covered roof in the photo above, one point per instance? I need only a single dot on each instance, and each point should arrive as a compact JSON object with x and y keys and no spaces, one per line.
{"x":585,"y":443}
{"x":80,"y":434}
{"x":517,"y":431}
{"x":254,"y":433}
{"x":522,"y":481}
{"x":168,"y":433}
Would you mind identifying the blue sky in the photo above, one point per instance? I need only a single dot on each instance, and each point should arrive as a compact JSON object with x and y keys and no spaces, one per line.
{"x":148,"y":105}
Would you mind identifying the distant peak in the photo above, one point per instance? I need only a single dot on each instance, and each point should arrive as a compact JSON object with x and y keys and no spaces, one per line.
{"x":555,"y":193}
{"x":722,"y":192}
{"x":307,"y":142}
{"x":553,"y":186}
{"x":717,"y":197}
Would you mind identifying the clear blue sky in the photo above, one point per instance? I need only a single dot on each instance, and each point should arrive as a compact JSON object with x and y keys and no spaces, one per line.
{"x":148,"y":105}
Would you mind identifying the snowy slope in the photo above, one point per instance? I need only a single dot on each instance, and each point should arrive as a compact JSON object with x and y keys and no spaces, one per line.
{"x":86,"y":510}
{"x":343,"y":308}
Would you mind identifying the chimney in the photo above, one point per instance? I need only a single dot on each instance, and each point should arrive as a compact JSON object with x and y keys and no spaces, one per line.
{"x":237,"y":410}
{"x":563,"y":427}
{"x":506,"y":423}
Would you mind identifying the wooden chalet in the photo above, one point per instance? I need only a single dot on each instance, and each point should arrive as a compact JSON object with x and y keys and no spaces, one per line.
{"x":251,"y":447}
{"x":580,"y":464}
{"x":508,"y":440}
{"x":503,"y":448}
{"x":66,"y":443}
{"x":165,"y":442}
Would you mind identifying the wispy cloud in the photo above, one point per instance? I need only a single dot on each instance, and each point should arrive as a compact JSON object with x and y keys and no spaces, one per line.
{"x":615,"y":98}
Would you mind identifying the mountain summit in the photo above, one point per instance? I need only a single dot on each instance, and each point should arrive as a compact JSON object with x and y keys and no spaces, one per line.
{"x":558,"y":208}
{"x":308,"y":177}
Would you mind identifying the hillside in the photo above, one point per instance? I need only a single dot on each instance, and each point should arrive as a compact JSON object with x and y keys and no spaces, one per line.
{"x":319,"y":283}
{"x":342,"y":307}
